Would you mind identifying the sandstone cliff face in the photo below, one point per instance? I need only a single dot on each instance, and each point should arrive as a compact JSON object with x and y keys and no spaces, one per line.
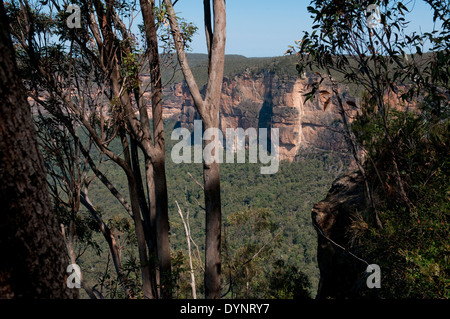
{"x":267,"y":100}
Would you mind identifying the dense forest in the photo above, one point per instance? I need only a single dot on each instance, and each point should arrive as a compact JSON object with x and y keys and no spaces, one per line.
{"x":254,"y":222}
{"x":89,"y":180}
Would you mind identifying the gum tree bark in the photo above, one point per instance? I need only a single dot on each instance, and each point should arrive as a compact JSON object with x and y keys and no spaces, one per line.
{"x":33,"y":262}
{"x":158,"y":160}
{"x":208,"y":108}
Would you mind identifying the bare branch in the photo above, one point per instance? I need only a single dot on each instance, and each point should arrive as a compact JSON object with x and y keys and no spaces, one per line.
{"x":188,"y":240}
{"x":182,"y":59}
{"x":197,"y":182}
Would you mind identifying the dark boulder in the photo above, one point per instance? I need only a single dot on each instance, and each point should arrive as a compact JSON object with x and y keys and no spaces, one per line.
{"x":342,"y":272}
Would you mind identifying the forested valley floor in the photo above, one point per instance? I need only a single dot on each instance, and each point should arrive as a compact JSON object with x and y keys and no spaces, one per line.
{"x":269,"y":244}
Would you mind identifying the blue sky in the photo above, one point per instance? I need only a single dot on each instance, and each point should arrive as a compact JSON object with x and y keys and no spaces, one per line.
{"x":264,"y":28}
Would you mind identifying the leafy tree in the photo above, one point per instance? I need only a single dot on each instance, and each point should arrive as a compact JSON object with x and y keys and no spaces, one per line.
{"x":88,"y":79}
{"x":404,"y":140}
{"x":250,"y":237}
{"x":287,"y":282}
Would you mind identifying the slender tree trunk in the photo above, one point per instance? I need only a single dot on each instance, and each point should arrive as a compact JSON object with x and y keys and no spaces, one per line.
{"x":33,"y":263}
{"x":187,"y":230}
{"x":111,"y":240}
{"x":140,"y":234}
{"x":211,"y":171}
{"x":353,"y":148}
{"x":138,"y":223}
{"x":162,"y":227}
{"x":158,"y":160}
{"x":71,"y":253}
{"x":209,"y":112}
{"x":211,"y":175}
{"x":153,"y":253}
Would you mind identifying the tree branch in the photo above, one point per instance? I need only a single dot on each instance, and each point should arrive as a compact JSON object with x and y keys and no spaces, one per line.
{"x":182,"y":59}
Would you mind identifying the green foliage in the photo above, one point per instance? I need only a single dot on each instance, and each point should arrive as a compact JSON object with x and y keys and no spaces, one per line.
{"x":287,"y":282}
{"x":250,"y":237}
{"x":268,"y":216}
{"x":406,"y":151}
{"x":187,"y":30}
{"x":271,"y":210}
{"x":130,"y":71}
{"x":413,"y":244}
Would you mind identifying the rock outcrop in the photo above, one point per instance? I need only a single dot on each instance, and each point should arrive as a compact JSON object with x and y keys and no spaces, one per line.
{"x":268,"y":100}
{"x":342,"y":272}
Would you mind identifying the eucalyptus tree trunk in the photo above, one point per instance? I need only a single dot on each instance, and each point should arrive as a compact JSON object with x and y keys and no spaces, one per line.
{"x":33,"y":261}
{"x":208,"y":108}
{"x":158,"y":159}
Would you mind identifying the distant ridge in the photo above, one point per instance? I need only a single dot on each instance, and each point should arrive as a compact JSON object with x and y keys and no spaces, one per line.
{"x":234,"y":64}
